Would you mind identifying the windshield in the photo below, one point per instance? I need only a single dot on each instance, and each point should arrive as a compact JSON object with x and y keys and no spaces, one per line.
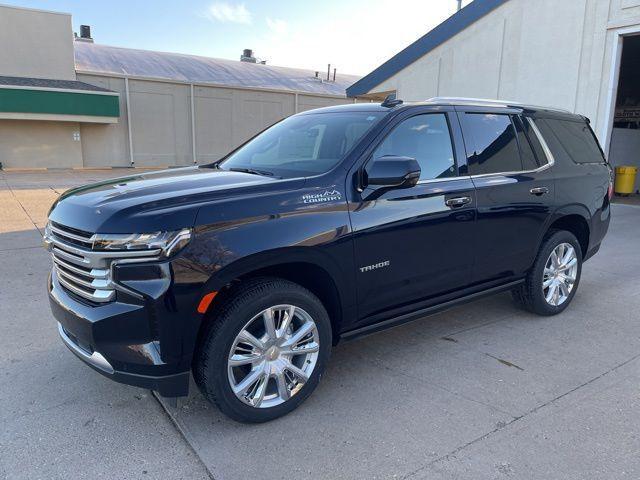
{"x":302,"y":146}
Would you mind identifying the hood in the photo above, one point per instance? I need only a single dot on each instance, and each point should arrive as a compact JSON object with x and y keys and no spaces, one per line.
{"x":153,"y":201}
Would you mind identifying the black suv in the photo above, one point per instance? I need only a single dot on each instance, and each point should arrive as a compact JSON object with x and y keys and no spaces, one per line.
{"x":330,"y":224}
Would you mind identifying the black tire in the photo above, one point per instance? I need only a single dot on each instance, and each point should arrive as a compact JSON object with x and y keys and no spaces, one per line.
{"x":530,"y":294}
{"x":210,"y":362}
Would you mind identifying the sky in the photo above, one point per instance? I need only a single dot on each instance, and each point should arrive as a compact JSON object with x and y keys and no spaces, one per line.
{"x":354,"y":36}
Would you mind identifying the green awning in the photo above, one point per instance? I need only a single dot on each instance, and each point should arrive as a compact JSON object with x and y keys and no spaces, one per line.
{"x":22,"y":98}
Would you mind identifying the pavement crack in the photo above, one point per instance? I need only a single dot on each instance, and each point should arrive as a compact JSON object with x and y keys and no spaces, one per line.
{"x":18,"y":248}
{"x":437,"y":385}
{"x":475,"y":327}
{"x":504,"y":425}
{"x":505,"y":362}
{"x":13,"y":194}
{"x":182,"y":434}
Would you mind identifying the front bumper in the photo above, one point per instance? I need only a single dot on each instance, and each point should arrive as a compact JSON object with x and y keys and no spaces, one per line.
{"x":126,"y":340}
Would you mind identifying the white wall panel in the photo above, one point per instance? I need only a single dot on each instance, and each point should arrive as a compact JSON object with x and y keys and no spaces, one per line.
{"x":214,"y":118}
{"x":160,"y":123}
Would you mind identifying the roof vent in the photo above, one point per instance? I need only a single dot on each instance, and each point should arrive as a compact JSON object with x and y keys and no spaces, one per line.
{"x":85,"y":34}
{"x":247,"y":56}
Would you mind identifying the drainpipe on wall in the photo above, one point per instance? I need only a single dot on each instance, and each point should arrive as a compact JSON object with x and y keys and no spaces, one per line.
{"x":193,"y":128}
{"x":126,"y":89}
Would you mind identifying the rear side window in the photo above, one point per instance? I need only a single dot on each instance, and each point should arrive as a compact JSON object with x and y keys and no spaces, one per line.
{"x":491,"y":143}
{"x":573,"y":139}
{"x":426,"y":138}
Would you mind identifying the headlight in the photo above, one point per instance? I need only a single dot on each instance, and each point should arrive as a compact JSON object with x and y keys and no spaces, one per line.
{"x":46,"y":237}
{"x":168,"y":242}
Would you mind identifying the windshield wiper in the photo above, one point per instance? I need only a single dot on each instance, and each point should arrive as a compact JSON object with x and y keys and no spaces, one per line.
{"x":252,"y":171}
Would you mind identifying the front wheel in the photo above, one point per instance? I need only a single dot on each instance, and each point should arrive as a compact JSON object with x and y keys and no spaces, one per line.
{"x":553,"y":280}
{"x":265,"y":351}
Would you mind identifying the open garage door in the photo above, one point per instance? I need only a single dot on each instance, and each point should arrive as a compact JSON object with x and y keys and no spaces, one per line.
{"x":624,"y":147}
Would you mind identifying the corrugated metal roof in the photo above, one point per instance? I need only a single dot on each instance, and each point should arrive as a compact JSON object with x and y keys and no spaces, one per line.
{"x":49,"y":83}
{"x":103,"y":59}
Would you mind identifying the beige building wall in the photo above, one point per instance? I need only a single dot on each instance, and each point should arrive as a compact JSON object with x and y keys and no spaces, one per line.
{"x":225,"y":117}
{"x":160,"y":113}
{"x":106,"y":145}
{"x":36,"y":43}
{"x":544,"y":52}
{"x":160,"y":123}
{"x":39,"y":144}
{"x":309,"y":102}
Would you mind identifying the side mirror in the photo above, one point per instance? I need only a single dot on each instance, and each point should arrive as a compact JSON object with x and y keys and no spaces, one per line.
{"x":392,"y":172}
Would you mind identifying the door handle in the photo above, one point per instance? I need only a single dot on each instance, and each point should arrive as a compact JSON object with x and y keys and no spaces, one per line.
{"x":457,"y":201}
{"x":539,"y":191}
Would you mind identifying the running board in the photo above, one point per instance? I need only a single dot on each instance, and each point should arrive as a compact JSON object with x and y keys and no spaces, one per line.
{"x":409,"y":317}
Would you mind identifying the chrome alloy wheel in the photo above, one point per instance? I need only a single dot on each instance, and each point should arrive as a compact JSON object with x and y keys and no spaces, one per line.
{"x":273,"y":356}
{"x":560,"y":273}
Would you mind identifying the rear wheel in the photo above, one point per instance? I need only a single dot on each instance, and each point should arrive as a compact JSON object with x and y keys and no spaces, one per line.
{"x":265,"y":351}
{"x":553,"y":280}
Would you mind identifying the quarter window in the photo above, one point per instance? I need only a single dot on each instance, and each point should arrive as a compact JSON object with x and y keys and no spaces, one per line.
{"x":491,"y":143}
{"x":426,"y":138}
{"x":575,"y":139}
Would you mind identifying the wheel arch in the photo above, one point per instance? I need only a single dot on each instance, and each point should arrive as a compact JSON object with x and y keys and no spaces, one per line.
{"x":575,"y":219}
{"x":309,"y":268}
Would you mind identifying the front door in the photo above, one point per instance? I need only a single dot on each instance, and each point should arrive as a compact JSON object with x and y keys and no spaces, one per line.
{"x":413,"y":244}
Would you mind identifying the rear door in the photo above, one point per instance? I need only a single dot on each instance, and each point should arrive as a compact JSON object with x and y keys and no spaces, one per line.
{"x":514,"y":191}
{"x":412,"y":244}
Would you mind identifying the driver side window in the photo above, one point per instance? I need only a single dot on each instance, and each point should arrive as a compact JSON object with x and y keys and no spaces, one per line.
{"x":426,"y":138}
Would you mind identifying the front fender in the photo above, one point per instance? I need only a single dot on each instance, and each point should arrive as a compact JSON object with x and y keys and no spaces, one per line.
{"x":276,"y":257}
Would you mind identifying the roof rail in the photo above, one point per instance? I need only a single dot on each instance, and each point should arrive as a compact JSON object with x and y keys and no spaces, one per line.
{"x":492,"y":102}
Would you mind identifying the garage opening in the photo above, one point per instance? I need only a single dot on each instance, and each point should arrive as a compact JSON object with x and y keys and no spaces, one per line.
{"x":625,"y":137}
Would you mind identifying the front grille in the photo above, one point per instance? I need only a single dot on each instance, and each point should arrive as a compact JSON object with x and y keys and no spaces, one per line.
{"x":85,"y":272}
{"x":77,"y":268}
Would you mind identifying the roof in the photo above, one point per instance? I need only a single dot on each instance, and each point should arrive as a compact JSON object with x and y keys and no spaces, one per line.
{"x":102,"y":59}
{"x":46,"y":83}
{"x":418,"y":49}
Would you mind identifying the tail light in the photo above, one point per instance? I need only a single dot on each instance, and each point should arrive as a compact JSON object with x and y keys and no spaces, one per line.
{"x":610,"y":191}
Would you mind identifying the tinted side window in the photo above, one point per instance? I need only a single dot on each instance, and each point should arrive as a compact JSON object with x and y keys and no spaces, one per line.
{"x":574,"y":138}
{"x":491,"y":143}
{"x":529,"y":160}
{"x":426,"y":138}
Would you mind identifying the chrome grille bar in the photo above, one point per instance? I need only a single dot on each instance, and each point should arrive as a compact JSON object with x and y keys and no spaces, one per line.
{"x":83,"y":271}
{"x":66,"y":235}
{"x":94,"y":273}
